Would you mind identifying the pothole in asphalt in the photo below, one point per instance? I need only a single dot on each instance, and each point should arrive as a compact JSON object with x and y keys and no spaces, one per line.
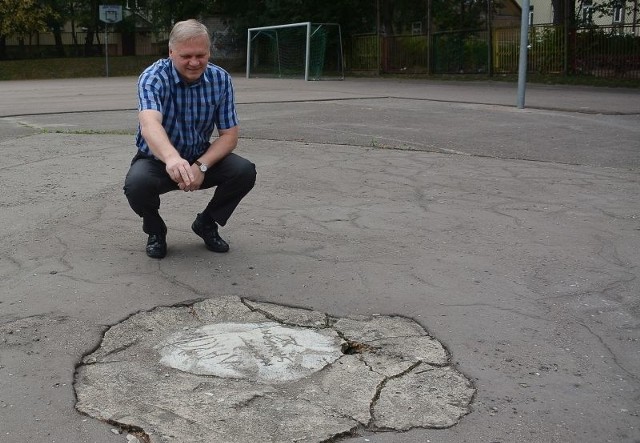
{"x":233,"y":370}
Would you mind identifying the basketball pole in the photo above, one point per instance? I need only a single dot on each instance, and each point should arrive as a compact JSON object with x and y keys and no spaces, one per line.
{"x":106,"y":49}
{"x":108,"y":14}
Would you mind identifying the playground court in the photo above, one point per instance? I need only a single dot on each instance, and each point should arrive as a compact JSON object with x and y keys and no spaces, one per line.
{"x":512,"y":236}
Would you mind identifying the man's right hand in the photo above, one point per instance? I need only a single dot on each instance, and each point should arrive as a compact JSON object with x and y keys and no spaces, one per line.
{"x":156,"y":137}
{"x":180,"y":171}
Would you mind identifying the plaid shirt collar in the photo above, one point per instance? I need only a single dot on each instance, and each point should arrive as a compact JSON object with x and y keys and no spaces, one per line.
{"x":177,"y":79}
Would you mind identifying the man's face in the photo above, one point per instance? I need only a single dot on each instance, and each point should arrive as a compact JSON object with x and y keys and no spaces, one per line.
{"x":190,"y":57}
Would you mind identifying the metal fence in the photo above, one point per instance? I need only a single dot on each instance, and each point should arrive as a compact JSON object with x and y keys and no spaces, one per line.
{"x":601,"y":51}
{"x":606,"y":52}
{"x":445,"y":52}
{"x":546,"y":53}
{"x":74,"y":44}
{"x":362,"y":53}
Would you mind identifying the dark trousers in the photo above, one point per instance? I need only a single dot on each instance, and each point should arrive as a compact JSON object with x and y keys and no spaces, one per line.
{"x":147,"y":179}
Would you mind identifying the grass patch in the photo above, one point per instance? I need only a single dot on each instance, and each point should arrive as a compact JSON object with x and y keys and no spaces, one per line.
{"x":120,"y":66}
{"x":73,"y":67}
{"x":81,"y":67}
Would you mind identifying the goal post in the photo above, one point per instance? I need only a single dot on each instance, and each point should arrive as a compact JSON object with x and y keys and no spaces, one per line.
{"x":312,"y":51}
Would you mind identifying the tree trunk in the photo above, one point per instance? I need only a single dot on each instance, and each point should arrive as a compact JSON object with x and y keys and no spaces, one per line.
{"x":89,"y":48}
{"x":387,"y":17}
{"x":564,"y":15}
{"x":564,"y":11}
{"x":3,"y":47}
{"x":88,"y":43}
{"x":558,"y":11}
{"x":57,"y":35}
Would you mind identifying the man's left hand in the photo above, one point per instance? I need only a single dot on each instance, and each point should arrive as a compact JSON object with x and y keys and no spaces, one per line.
{"x":196,"y":182}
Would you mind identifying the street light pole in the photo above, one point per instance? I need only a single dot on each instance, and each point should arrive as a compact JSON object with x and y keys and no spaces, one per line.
{"x":524,"y":42}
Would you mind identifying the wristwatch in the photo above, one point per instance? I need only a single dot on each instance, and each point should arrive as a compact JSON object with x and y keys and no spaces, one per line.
{"x":202,"y":166}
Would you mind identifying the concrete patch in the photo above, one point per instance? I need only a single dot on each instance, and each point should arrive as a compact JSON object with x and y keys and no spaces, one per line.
{"x":259,"y":351}
{"x":233,"y":370}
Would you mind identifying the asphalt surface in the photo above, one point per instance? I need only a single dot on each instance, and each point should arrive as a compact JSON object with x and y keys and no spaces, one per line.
{"x":512,"y":236}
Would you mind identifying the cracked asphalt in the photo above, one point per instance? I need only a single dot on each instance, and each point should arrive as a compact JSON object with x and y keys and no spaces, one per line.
{"x":511,"y":236}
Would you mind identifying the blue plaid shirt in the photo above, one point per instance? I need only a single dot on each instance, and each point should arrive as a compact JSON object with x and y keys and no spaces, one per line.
{"x":190,"y":112}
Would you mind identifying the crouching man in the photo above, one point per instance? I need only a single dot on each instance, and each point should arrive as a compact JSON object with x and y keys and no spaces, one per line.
{"x":181,"y":101}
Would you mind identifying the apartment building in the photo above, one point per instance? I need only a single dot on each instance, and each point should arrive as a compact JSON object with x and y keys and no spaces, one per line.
{"x":588,"y":12}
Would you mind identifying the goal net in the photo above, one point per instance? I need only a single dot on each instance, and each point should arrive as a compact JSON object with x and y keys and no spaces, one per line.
{"x":312,"y":51}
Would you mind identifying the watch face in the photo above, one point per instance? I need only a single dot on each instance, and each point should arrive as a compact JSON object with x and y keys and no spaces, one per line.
{"x":203,"y":168}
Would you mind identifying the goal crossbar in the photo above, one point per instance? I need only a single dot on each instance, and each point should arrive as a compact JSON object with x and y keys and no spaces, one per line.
{"x":290,"y":25}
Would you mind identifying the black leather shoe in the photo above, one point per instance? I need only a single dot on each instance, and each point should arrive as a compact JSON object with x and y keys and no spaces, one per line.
{"x":209,"y":233}
{"x":156,"y":246}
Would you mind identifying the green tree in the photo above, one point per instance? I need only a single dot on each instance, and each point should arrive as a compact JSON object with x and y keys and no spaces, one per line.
{"x":450,"y":15}
{"x":59,"y":13}
{"x":21,"y":18}
{"x":164,"y":13}
{"x":354,"y":16}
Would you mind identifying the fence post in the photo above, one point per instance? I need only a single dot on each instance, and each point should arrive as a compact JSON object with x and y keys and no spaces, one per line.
{"x":378,"y":45}
{"x":565,"y":47}
{"x":429,"y":40}
{"x":489,"y":38}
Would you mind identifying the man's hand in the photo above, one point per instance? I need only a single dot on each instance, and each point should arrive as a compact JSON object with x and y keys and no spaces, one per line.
{"x":180,"y":172}
{"x":198,"y":179}
{"x":156,"y":137}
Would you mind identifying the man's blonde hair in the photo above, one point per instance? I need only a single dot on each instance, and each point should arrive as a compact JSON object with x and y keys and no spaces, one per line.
{"x":187,"y":30}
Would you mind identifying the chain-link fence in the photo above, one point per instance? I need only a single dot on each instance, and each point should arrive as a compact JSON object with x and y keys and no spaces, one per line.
{"x":601,"y":51}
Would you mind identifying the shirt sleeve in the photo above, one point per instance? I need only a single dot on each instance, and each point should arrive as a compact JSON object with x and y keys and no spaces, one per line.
{"x":150,"y":91}
{"x":227,"y":116}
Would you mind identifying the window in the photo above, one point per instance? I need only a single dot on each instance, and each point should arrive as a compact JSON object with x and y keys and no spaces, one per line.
{"x":618,"y":12}
{"x":531,"y":15}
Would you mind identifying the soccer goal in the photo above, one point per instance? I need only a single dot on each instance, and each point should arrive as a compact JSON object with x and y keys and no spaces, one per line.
{"x":312,"y":51}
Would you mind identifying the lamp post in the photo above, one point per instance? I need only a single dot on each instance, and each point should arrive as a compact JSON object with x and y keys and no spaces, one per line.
{"x":524,"y":42}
